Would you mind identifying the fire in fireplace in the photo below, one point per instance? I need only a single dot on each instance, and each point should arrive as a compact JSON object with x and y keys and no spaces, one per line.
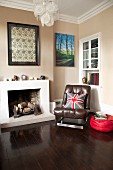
{"x":24,"y":102}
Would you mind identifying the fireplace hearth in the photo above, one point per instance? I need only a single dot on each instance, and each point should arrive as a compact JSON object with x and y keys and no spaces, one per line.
{"x":40,"y":86}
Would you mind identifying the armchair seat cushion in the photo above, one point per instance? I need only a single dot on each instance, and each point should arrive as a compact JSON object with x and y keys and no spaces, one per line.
{"x":70,"y":113}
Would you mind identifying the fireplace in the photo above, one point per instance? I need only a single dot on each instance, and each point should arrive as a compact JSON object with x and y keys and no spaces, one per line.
{"x":24,"y":102}
{"x":7,"y":87}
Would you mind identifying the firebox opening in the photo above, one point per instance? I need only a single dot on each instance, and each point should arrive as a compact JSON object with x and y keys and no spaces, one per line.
{"x":24,"y":102}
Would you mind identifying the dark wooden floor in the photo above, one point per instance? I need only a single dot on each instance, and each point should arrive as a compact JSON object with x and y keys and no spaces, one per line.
{"x":47,"y":147}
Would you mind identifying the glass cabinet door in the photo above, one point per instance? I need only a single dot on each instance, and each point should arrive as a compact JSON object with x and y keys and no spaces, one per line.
{"x":85,"y":55}
{"x":94,"y":53}
{"x":94,"y":63}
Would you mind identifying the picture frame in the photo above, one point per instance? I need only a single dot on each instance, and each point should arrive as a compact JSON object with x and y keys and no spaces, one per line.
{"x":23,"y":44}
{"x":65,"y":49}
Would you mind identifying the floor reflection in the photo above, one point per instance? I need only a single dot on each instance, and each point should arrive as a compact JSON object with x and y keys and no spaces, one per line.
{"x":26,"y":137}
{"x":102,"y":136}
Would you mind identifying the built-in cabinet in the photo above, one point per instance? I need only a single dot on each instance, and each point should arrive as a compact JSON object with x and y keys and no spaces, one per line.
{"x":90,"y":60}
{"x":89,"y":66}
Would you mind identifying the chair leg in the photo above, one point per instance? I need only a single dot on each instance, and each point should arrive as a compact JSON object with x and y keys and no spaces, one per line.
{"x":69,"y":125}
{"x":60,"y":122}
{"x":58,"y":119}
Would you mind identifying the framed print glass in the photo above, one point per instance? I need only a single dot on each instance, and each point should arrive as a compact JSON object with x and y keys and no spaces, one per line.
{"x":64,"y":50}
{"x":23,"y":44}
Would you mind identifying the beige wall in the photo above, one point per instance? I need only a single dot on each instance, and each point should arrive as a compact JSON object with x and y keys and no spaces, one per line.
{"x":66,"y":75}
{"x":46,"y":47}
{"x":60,"y":76}
{"x":103,"y":23}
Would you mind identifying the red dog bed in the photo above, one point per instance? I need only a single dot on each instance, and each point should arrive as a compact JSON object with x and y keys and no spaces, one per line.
{"x":101,"y":125}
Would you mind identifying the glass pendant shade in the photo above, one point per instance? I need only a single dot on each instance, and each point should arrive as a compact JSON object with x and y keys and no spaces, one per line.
{"x":51,"y":22}
{"x":52,"y":7}
{"x":45,"y":19}
{"x":46,"y":11}
{"x":39,"y":10}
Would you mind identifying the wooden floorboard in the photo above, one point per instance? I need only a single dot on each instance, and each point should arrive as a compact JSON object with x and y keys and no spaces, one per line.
{"x":48,"y":147}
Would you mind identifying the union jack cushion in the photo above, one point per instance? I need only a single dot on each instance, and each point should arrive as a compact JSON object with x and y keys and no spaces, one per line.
{"x":75,"y":101}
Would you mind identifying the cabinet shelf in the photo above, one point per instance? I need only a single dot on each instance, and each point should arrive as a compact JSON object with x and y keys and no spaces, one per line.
{"x":90,"y":69}
{"x":94,"y":59}
{"x":94,"y":48}
{"x":85,"y":59}
{"x":86,"y":50}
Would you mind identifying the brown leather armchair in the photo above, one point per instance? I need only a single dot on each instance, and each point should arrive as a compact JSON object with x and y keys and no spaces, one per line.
{"x":75,"y":106}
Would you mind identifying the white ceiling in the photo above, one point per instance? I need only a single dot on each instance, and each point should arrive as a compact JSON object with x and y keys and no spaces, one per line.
{"x":75,"y":11}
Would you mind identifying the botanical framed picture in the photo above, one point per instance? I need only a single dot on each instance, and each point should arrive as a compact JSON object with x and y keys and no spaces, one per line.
{"x":23,"y":44}
{"x":64,"y":50}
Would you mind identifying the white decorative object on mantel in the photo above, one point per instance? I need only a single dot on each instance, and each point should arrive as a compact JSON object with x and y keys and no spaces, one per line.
{"x":6,"y":86}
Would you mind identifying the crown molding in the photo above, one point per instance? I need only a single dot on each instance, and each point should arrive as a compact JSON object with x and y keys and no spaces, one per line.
{"x":67,"y":18}
{"x":29,"y":7}
{"x":94,"y":11}
{"x":17,"y":4}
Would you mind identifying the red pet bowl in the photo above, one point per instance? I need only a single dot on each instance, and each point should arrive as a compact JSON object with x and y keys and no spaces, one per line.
{"x":101,"y":125}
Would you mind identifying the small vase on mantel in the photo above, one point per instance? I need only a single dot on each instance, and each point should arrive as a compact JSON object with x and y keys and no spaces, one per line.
{"x":23,"y":77}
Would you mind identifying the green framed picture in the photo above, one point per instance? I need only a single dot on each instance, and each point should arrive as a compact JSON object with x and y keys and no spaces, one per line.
{"x":64,"y":50}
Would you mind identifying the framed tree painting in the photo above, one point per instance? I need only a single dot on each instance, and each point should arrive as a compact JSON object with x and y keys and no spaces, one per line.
{"x":64,"y":50}
{"x":23,"y":44}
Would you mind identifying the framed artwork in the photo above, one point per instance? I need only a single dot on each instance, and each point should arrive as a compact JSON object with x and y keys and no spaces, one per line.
{"x":23,"y":44}
{"x":64,"y":50}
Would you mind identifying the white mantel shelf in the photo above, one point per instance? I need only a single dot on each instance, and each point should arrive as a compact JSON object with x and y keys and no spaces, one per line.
{"x":6,"y":86}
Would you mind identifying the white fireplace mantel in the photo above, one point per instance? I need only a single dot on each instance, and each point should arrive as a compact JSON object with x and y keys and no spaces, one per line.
{"x":6,"y":86}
